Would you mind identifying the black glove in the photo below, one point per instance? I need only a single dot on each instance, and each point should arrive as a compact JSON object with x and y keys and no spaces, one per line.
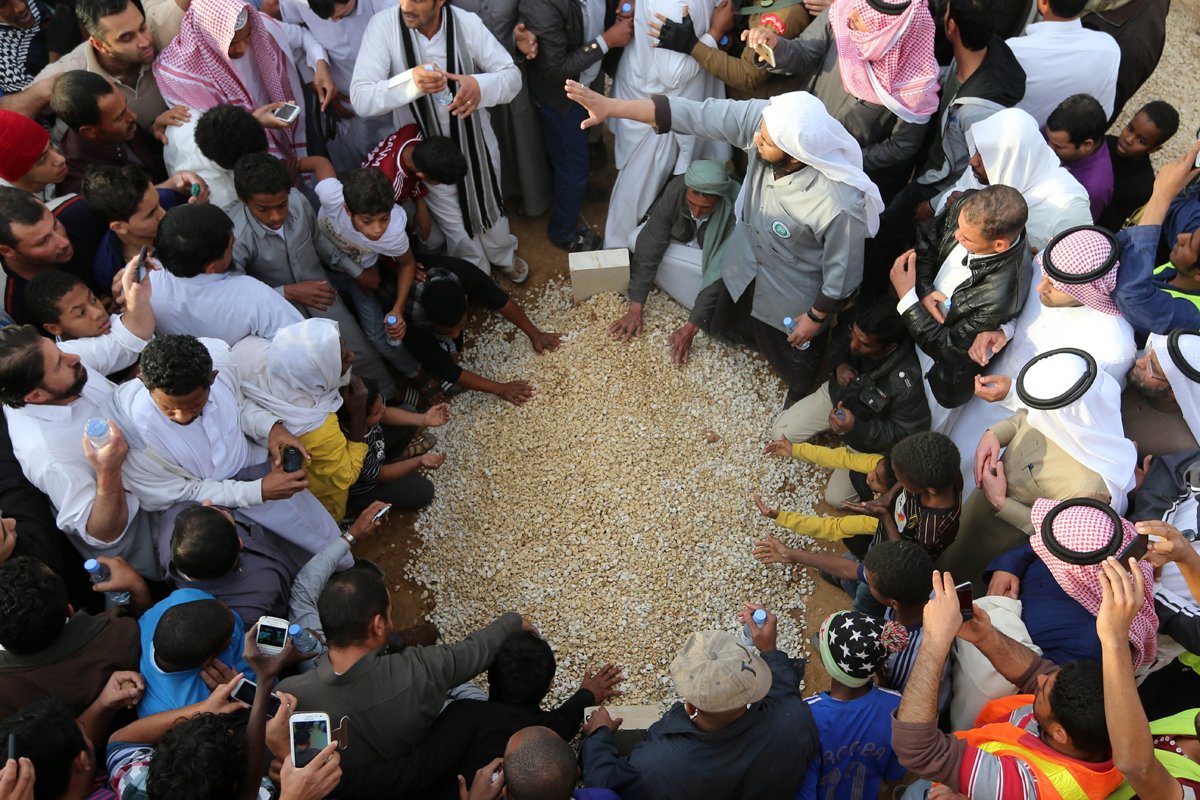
{"x":678,"y":36}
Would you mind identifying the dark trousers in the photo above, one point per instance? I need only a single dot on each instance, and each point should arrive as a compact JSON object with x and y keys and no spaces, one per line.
{"x":567,"y":147}
{"x":896,"y":234}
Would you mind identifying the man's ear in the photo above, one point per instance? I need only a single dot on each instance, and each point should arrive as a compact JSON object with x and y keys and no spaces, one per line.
{"x":53,"y":329}
{"x":88,"y":132}
{"x":119,"y":228}
{"x":7,"y":252}
{"x":82,"y":764}
{"x":213,"y":378}
{"x":1057,"y":733}
{"x":36,"y":396}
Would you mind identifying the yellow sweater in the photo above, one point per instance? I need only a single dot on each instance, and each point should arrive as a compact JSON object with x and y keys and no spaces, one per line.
{"x":335,"y":466}
{"x":831,"y":528}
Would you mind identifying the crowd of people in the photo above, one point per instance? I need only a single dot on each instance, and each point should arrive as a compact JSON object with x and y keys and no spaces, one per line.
{"x":241,"y":244}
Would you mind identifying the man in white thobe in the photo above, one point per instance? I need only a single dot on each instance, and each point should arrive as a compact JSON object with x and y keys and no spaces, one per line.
{"x":1073,"y":279}
{"x":646,"y":160}
{"x":402,"y":67}
{"x":46,"y":415}
{"x":206,"y":442}
{"x":1061,"y":58}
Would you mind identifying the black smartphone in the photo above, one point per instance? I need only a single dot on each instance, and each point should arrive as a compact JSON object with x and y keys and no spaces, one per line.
{"x":141,"y":264}
{"x":12,"y":747}
{"x":292,"y":459}
{"x":244,"y":693}
{"x":965,"y":600}
{"x":1136,"y":549}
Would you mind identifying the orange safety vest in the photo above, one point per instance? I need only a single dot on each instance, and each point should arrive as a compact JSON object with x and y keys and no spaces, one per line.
{"x":1058,"y":776}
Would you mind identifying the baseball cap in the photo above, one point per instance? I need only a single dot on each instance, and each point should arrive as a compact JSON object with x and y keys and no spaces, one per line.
{"x":715,"y":673}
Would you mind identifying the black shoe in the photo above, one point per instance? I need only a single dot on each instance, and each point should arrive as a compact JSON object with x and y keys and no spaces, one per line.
{"x":585,"y":241}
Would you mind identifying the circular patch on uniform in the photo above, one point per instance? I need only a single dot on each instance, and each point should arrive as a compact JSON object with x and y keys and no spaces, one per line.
{"x":781,"y":230}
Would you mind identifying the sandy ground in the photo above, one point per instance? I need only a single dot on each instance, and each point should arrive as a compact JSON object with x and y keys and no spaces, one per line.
{"x":1176,"y":80}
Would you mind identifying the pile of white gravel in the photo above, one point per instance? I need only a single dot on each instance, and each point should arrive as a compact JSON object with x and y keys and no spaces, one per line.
{"x":613,"y":509}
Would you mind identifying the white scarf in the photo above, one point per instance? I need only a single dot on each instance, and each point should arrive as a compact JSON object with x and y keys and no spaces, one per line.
{"x":1187,"y":391}
{"x":1085,"y":427}
{"x":802,"y":128}
{"x":299,"y":382}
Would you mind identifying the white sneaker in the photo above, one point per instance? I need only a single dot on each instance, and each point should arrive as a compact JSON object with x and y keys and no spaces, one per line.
{"x":518,"y":272}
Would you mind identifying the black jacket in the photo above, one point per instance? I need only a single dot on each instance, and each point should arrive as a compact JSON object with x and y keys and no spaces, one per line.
{"x":993,"y":295}
{"x":562,"y":53}
{"x":891,"y":384}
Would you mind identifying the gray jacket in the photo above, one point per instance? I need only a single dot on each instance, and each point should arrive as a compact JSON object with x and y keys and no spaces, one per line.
{"x":799,"y":238}
{"x":886,"y":140}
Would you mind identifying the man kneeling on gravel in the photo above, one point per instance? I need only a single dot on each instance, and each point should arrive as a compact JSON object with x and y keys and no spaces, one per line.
{"x":436,"y":314}
{"x":741,"y":731}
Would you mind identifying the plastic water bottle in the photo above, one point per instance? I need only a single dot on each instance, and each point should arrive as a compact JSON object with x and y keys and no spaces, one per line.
{"x":303,"y":638}
{"x":99,"y":574}
{"x":626,"y":8}
{"x":790,"y":324}
{"x":840,"y":414}
{"x":445,"y":97}
{"x":724,"y":42}
{"x":759,"y":617}
{"x":394,"y":342}
{"x":96,"y":430}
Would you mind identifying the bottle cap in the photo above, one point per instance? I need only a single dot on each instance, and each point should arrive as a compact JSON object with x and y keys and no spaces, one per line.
{"x":787,"y":322}
{"x":760,"y":616}
{"x":96,"y":427}
{"x":91,"y":565}
{"x":430,"y":68}
{"x":724,"y":40}
{"x":626,"y":8}
{"x":293,"y":630}
{"x":391,"y":319}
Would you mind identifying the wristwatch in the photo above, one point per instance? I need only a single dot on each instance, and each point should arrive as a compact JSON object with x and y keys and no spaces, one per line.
{"x":349,"y":537}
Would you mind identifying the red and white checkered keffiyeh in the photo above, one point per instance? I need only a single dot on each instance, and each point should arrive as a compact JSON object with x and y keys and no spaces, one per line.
{"x":1084,"y":529}
{"x":194,"y":70}
{"x":891,"y":63}
{"x":1079,"y":253}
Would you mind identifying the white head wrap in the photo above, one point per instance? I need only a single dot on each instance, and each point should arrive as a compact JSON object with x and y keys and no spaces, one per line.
{"x":1187,"y":390}
{"x":802,"y":128}
{"x":1015,"y":154}
{"x":1084,"y":428}
{"x":303,"y":370}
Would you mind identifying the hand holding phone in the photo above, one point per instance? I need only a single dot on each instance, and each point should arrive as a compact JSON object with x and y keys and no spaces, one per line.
{"x":244,"y":693}
{"x":141,"y":264}
{"x":292,"y":458}
{"x":272,"y":635}
{"x":966,"y":600}
{"x":381,"y":513}
{"x":309,"y":734}
{"x":287,"y":113}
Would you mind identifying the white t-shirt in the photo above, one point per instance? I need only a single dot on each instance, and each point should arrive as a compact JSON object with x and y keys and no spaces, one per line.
{"x":334,"y":220}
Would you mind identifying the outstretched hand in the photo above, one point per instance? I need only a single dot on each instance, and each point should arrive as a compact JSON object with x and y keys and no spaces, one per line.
{"x":596,"y":104}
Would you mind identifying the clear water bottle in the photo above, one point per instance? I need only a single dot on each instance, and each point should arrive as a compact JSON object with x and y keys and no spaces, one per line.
{"x":96,"y":430}
{"x":759,"y":618}
{"x":304,"y":639}
{"x":391,"y":320}
{"x":99,"y":574}
{"x":445,"y":97}
{"x":626,"y":9}
{"x":724,"y":42}
{"x":790,"y":324}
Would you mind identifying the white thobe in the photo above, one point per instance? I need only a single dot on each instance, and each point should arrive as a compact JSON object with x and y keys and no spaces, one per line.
{"x":374,"y":91}
{"x":220,"y":306}
{"x":341,"y":39}
{"x":181,"y":153}
{"x":952,"y":274}
{"x":1039,"y":329}
{"x":214,"y":458}
{"x":645,"y":160}
{"x":118,"y":349}
{"x":1064,"y":58}
{"x":48,"y":443}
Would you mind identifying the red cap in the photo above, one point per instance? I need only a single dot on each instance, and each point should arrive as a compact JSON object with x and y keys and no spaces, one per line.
{"x":24,"y":142}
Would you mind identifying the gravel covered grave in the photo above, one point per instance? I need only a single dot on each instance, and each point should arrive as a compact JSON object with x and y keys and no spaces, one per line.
{"x":614,"y":507}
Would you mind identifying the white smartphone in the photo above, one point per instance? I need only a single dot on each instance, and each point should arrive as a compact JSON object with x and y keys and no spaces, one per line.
{"x":244,"y":693}
{"x":309,"y":736}
{"x":272,"y":635}
{"x":382,"y":513}
{"x":288,"y":112}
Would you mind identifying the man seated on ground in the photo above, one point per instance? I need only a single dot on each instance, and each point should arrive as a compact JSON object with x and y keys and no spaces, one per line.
{"x":1075,"y":132}
{"x":187,"y":638}
{"x":696,"y":210}
{"x":126,"y":200}
{"x":1159,"y":299}
{"x":873,"y":399}
{"x":277,"y":241}
{"x":1056,"y":725}
{"x":30,"y":161}
{"x":436,"y":315}
{"x":222,"y":459}
{"x":391,"y":697}
{"x":470,"y":733}
{"x":1058,"y":598}
{"x":102,"y":129}
{"x":1064,"y":443}
{"x":1167,"y":382}
{"x":969,"y":273}
{"x":211,"y":144}
{"x":194,"y":244}
{"x":1133,"y":173}
{"x":742,"y":728}
{"x":49,"y":396}
{"x":49,"y":649}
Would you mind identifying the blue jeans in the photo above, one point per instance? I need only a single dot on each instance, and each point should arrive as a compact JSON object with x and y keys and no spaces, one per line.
{"x":370,"y":312}
{"x":567,"y":147}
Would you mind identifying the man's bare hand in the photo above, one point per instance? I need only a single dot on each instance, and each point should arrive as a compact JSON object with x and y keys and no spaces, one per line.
{"x":597,"y":105}
{"x":515,"y":392}
{"x":602,"y":682}
{"x":992,"y":388}
{"x":628,"y":325}
{"x":314,"y":294}
{"x":681,"y":343}
{"x":986,"y":345}
{"x":932,"y":303}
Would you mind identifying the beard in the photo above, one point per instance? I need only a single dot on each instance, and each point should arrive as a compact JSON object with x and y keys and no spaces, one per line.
{"x":782,"y":161}
{"x":76,"y":388}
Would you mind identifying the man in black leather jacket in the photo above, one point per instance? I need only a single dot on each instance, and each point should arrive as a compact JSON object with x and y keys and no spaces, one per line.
{"x":975,"y":251}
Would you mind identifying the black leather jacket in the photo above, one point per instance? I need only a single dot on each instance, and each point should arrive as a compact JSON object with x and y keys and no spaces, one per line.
{"x":993,"y":295}
{"x":886,"y":397}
